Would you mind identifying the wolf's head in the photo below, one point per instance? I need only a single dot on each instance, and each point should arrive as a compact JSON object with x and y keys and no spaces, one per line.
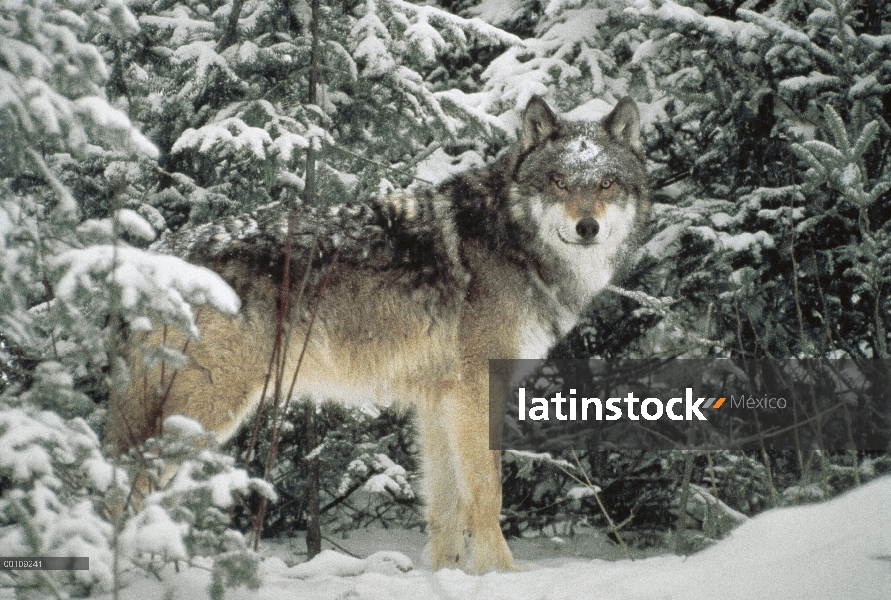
{"x":582,"y":186}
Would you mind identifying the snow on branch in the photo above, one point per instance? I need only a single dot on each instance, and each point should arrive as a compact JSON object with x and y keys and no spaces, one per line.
{"x":437,"y":15}
{"x":183,"y":25}
{"x":244,"y":136}
{"x":743,"y":34}
{"x":786,"y":34}
{"x":114,"y":123}
{"x":810,"y":83}
{"x":662,"y":307}
{"x":412,"y":83}
{"x":51,"y":468}
{"x":475,"y":106}
{"x":205,"y":56}
{"x":542,"y":457}
{"x":147,"y":281}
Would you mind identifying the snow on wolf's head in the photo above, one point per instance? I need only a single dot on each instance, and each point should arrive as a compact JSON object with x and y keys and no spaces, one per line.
{"x":584,"y":185}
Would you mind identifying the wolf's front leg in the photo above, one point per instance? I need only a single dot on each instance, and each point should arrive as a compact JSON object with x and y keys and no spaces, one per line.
{"x":480,"y":473}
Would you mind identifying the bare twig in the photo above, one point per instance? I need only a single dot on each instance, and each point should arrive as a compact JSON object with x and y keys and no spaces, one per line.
{"x":613,"y":528}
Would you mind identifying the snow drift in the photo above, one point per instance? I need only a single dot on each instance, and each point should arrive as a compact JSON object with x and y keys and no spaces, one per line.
{"x":838,"y":550}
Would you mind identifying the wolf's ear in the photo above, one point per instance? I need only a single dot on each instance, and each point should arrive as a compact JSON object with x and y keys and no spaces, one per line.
{"x":623,"y":124}
{"x":539,"y":123}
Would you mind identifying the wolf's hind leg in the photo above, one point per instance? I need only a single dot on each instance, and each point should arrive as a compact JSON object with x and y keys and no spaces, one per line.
{"x":218,"y":386}
{"x":442,"y":489}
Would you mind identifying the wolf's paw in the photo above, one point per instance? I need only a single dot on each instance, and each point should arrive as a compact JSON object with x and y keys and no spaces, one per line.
{"x":447,"y":554}
{"x":490,"y":552}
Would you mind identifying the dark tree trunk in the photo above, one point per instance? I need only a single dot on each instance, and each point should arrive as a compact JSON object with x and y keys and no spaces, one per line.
{"x":313,"y":527}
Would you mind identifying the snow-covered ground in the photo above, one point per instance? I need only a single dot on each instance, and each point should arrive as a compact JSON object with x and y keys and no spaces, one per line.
{"x":840,"y":550}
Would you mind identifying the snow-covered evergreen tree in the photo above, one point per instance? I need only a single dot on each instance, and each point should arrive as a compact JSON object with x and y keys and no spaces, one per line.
{"x":368,"y":472}
{"x":233,"y":120}
{"x":67,"y":285}
{"x":776,"y":146}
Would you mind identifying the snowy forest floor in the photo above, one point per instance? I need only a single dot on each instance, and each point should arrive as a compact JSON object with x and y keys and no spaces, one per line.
{"x":839,"y":549}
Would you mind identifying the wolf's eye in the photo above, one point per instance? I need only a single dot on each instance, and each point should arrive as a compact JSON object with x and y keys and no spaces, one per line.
{"x":559,"y":182}
{"x":606,"y":183}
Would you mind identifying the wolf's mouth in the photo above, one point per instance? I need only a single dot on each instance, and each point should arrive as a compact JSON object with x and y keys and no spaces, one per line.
{"x":576,"y":240}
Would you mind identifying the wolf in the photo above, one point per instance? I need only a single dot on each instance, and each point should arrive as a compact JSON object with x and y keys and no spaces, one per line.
{"x":408,"y":296}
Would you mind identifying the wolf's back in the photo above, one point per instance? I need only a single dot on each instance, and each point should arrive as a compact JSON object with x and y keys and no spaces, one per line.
{"x":406,"y":240}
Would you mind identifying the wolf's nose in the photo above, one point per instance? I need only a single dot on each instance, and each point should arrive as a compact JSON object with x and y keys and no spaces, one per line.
{"x":587,"y":229}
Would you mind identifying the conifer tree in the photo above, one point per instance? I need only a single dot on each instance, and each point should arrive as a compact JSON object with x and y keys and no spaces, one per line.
{"x":67,"y":285}
{"x":777,"y":138}
{"x":232,"y":119}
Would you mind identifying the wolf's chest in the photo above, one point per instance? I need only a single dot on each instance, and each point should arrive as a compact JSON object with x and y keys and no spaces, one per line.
{"x":537,"y":334}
